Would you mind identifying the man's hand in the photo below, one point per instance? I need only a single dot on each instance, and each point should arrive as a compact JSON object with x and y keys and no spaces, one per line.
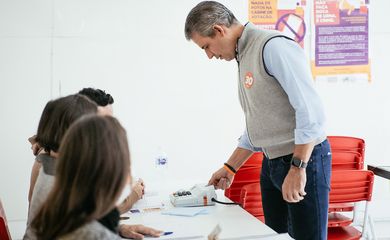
{"x":293,"y":187}
{"x":138,"y":231}
{"x":221,"y":179}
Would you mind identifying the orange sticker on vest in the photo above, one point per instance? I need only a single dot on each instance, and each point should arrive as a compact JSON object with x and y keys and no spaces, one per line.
{"x":249,"y":80}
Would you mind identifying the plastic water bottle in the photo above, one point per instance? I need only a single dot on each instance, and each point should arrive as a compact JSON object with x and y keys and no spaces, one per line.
{"x":162,"y":160}
{"x":161,"y":165}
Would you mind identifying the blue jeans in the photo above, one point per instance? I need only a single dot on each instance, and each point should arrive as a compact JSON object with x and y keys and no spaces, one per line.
{"x":307,"y":219}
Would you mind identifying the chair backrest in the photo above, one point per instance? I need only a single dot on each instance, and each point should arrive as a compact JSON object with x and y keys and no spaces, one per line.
{"x":254,"y":161}
{"x":346,"y":160}
{"x":250,"y":199}
{"x":351,"y":186}
{"x":347,"y":144}
{"x":247,"y":174}
{"x":4,"y":232}
{"x":243,"y":177}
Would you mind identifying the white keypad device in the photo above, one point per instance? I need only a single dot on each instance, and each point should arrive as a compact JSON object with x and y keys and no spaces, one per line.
{"x":198,"y":195}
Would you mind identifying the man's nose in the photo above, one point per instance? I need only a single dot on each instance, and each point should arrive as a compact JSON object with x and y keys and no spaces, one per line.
{"x":209,"y":54}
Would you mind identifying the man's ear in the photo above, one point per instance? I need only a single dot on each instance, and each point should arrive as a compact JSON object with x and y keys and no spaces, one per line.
{"x":219,"y":29}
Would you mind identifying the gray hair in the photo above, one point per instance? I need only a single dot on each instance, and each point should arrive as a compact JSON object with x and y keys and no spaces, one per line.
{"x":202,"y":18}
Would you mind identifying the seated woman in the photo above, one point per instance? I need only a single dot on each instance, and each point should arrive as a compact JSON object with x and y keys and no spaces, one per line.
{"x":92,"y":170}
{"x":104,"y":103}
{"x":55,"y":120}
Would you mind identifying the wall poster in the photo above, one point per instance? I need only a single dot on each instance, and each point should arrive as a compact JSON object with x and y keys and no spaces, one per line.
{"x":289,"y":17}
{"x":339,"y":49}
{"x":334,"y":33}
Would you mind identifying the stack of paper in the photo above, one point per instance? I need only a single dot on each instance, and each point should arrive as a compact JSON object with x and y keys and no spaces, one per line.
{"x":185,"y":211}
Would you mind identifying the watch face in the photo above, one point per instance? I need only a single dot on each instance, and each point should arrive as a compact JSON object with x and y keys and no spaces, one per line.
{"x":298,"y":163}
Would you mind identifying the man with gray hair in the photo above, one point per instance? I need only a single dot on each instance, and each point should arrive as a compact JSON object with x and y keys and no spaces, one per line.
{"x":284,"y":119}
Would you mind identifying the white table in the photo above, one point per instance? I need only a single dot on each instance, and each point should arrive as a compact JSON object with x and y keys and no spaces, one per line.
{"x":235,"y":223}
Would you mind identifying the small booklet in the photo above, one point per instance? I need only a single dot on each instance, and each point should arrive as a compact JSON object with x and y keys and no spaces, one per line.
{"x":151,"y":201}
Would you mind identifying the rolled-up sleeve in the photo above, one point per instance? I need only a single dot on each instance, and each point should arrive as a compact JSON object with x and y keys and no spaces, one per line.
{"x":243,"y":142}
{"x":285,"y":60}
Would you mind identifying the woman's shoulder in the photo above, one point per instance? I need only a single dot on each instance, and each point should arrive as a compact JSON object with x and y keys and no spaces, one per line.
{"x":90,"y":231}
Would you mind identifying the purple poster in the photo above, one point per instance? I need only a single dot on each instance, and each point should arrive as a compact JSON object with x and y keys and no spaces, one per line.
{"x":341,"y":36}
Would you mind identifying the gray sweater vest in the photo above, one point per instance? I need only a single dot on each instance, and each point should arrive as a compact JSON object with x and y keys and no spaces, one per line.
{"x":270,"y":118}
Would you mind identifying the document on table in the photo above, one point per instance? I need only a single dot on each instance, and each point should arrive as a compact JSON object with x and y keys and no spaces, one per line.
{"x":185,"y":211}
{"x":151,"y":201}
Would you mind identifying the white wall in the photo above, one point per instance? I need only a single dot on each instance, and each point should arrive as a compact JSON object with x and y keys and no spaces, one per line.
{"x":167,"y":93}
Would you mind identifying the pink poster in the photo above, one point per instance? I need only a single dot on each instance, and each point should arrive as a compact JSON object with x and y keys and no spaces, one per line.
{"x":288,"y":17}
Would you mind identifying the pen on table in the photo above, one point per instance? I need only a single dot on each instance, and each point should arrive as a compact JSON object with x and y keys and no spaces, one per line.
{"x":162,"y":234}
{"x":124,"y":218}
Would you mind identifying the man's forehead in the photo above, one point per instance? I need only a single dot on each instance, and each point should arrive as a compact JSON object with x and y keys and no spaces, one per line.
{"x":198,"y":39}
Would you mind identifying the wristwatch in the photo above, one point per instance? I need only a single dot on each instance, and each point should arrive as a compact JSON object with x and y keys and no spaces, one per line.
{"x":296,"y":162}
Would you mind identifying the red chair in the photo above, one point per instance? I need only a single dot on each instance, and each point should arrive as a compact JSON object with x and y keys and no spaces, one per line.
{"x":345,"y":143}
{"x":250,"y":200}
{"x":4,"y":232}
{"x":343,"y":161}
{"x":243,"y":177}
{"x":346,"y":160}
{"x":350,"y":186}
{"x":254,"y":161}
{"x":347,"y":154}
